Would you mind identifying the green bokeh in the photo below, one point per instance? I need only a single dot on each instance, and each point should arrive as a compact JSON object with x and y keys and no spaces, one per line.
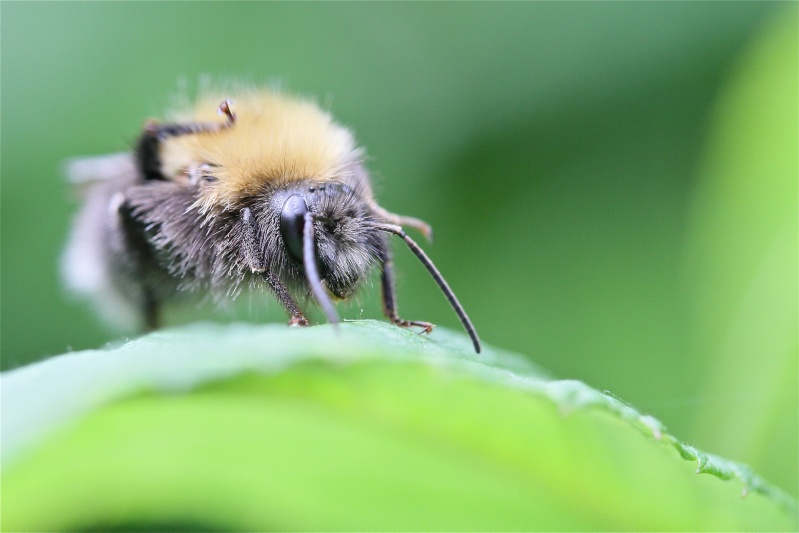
{"x":554,"y":147}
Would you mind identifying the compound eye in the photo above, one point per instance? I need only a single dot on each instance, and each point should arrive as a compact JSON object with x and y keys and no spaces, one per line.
{"x":292,"y":219}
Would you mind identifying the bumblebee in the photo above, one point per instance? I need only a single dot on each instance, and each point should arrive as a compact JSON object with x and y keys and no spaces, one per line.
{"x":269,"y":191}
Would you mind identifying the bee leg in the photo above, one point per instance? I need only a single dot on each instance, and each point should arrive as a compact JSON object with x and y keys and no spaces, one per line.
{"x":285,"y":299}
{"x":399,"y":220}
{"x":151,"y":311}
{"x":254,"y":256}
{"x":390,"y":300}
{"x":139,"y":256}
{"x":148,"y":147}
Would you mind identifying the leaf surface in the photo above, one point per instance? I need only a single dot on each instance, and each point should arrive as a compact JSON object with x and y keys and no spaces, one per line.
{"x":263,"y":428}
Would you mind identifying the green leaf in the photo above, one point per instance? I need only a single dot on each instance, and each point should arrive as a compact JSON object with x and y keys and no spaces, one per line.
{"x":265,"y":428}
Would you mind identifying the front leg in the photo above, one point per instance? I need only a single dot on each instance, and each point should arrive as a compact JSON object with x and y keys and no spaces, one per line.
{"x":255,"y":260}
{"x":399,"y":220}
{"x":390,"y":298}
{"x":297,"y":318}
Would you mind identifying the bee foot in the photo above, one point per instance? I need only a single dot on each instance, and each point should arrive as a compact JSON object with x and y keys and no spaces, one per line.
{"x":427,"y":327}
{"x":298,"y":321}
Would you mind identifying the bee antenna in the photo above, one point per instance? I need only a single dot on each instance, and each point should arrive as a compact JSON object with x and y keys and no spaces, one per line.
{"x":312,"y":272}
{"x":439,"y":279}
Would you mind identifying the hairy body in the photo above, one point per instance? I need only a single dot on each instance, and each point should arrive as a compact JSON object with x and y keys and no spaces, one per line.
{"x":272,"y":193}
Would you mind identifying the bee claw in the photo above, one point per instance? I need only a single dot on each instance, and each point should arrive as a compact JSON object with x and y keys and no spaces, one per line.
{"x":298,"y":321}
{"x":427,"y":327}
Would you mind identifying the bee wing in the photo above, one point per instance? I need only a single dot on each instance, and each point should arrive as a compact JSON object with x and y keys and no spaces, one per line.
{"x":88,"y":262}
{"x":82,"y":172}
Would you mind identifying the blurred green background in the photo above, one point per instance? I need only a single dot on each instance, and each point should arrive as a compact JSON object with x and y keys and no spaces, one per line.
{"x":613,"y":186}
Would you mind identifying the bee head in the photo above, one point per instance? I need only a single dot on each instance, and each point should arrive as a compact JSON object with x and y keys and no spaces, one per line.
{"x":342,"y":243}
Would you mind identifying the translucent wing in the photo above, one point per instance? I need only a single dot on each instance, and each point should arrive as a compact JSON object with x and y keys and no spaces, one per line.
{"x":88,"y":263}
{"x":84,"y":171}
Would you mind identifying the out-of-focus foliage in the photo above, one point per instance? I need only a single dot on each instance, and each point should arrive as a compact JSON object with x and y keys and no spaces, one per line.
{"x":369,"y":428}
{"x":744,"y":260}
{"x":560,"y":151}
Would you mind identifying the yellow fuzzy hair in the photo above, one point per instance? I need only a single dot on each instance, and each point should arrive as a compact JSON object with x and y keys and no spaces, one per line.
{"x":276,"y":139}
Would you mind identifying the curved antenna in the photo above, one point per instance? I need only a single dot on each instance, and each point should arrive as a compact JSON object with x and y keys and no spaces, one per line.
{"x":312,"y":272}
{"x":440,"y":281}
